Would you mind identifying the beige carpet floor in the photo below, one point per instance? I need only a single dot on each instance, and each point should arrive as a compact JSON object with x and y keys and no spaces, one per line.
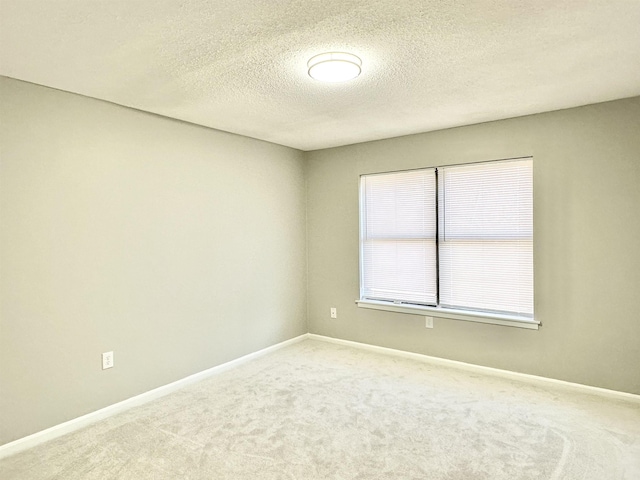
{"x":316,"y":410}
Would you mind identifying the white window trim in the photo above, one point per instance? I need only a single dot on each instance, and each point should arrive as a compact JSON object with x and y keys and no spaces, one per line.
{"x":478,"y":316}
{"x":452,"y":314}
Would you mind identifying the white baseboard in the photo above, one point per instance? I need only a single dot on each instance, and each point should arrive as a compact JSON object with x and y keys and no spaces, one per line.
{"x":56,"y":431}
{"x":37,"y":438}
{"x":614,"y":394}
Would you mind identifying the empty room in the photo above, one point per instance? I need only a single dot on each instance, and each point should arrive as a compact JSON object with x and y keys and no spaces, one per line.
{"x":295,"y":239}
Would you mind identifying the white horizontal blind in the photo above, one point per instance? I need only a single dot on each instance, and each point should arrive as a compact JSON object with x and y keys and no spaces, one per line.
{"x":398,"y":236}
{"x":485,"y":226}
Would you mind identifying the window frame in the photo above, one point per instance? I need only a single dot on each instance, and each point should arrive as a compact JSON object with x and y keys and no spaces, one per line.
{"x":362,"y":239}
{"x":496,"y":318}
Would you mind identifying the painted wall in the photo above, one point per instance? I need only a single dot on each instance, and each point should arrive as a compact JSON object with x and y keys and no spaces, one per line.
{"x":177,"y":247}
{"x":180,"y":248}
{"x":586,"y":245}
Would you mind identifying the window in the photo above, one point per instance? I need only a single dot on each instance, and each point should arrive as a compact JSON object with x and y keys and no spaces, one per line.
{"x":456,"y":238}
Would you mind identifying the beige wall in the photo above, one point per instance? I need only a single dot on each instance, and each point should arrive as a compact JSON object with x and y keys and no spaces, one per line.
{"x":177,"y":247}
{"x":587,"y":245}
{"x":180,"y":248}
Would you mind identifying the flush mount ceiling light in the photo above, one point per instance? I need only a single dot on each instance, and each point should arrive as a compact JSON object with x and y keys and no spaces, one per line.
{"x":334,"y":67}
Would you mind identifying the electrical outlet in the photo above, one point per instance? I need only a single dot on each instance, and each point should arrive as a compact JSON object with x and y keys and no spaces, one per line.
{"x":334,"y":312}
{"x":428,"y":322}
{"x":107,"y":360}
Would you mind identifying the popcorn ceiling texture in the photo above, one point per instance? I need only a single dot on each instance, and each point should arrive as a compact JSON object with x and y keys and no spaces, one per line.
{"x":317,"y":411}
{"x":240,"y":65}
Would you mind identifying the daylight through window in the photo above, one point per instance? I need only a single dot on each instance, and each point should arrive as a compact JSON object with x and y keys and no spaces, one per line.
{"x":457,"y":237}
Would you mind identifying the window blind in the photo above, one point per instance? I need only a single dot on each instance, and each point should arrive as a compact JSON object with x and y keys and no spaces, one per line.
{"x":398,"y":236}
{"x":485,"y":215}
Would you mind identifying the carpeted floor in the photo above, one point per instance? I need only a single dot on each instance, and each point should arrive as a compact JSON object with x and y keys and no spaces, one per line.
{"x":315,"y":410}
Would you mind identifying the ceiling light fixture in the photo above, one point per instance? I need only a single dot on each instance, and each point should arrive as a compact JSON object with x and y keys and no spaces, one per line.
{"x":334,"y":67}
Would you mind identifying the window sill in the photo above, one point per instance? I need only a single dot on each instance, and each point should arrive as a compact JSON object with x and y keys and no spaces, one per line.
{"x":467,"y":316}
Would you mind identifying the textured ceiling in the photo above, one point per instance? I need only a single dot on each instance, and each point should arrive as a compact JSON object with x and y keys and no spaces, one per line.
{"x":240,"y":65}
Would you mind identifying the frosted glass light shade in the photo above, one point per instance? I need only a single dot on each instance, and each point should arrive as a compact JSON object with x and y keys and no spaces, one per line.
{"x":334,"y":67}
